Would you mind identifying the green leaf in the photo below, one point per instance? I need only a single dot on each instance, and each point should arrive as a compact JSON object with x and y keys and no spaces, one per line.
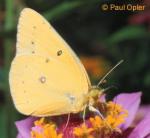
{"x":3,"y":123}
{"x":147,"y":79}
{"x":127,"y":33}
{"x":8,"y":116}
{"x":61,"y":9}
{"x":65,"y":7}
{"x":2,"y":79}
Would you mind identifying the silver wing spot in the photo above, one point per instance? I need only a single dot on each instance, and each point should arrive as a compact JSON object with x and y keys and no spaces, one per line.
{"x":71,"y":97}
{"x":42,"y":79}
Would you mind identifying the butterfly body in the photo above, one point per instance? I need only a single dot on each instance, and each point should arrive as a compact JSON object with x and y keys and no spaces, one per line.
{"x":46,"y":77}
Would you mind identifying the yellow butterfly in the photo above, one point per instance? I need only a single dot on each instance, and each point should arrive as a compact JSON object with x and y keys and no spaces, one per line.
{"x":46,"y":77}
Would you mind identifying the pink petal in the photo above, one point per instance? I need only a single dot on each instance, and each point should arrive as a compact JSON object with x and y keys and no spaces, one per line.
{"x":102,"y":98}
{"x":19,"y":136}
{"x":37,"y":129}
{"x":142,"y":111}
{"x":131,"y":103}
{"x":142,"y":129}
{"x":24,"y":127}
{"x":140,"y":18}
{"x":68,"y":131}
{"x":75,"y":121}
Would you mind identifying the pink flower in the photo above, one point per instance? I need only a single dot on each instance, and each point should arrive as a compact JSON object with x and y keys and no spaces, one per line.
{"x":122,"y":127}
{"x":140,"y":18}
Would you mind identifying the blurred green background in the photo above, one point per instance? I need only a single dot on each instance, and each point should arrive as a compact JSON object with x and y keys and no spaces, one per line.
{"x":100,"y":38}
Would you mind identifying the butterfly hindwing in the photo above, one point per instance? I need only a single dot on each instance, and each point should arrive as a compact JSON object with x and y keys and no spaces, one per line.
{"x":46,"y":77}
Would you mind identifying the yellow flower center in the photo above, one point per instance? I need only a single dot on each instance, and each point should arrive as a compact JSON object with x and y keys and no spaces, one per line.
{"x":107,"y":127}
{"x":114,"y":115}
{"x":44,"y":130}
{"x":83,"y":131}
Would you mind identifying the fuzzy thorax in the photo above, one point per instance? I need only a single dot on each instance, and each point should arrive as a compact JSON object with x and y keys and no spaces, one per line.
{"x":94,"y":94}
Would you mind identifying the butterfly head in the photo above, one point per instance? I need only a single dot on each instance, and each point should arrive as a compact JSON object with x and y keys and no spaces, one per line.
{"x":94,"y":94}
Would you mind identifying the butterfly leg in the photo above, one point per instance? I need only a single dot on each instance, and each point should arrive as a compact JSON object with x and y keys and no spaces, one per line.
{"x":84,"y":113}
{"x":93,"y":109}
{"x":67,"y":122}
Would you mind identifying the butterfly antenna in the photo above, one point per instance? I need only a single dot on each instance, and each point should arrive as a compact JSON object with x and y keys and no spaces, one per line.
{"x":101,"y":81}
